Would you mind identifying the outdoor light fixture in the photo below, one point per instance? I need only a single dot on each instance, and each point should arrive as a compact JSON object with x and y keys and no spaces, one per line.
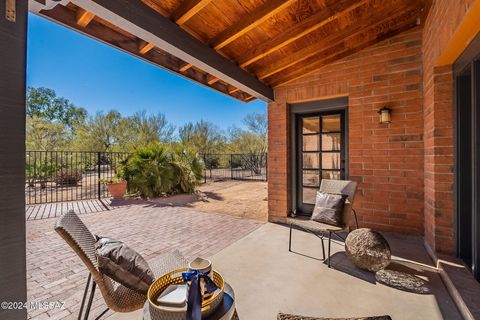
{"x":385,"y":115}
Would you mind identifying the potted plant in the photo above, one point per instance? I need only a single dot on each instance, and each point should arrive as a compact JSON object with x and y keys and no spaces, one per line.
{"x":117,"y":186}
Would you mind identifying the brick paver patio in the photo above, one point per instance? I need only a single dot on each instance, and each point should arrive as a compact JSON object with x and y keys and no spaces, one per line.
{"x":55,"y":273}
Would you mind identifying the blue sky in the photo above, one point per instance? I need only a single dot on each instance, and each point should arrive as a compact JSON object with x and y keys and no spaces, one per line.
{"x":99,"y":78}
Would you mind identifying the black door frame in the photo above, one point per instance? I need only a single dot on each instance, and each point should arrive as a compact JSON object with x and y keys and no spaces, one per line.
{"x":467,"y":156}
{"x":334,"y":105}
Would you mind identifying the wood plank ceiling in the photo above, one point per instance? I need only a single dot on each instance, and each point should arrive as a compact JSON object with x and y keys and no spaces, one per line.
{"x":277,"y":41}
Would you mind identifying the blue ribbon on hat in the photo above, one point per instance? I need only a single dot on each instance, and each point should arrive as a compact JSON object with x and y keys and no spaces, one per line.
{"x":194,"y":307}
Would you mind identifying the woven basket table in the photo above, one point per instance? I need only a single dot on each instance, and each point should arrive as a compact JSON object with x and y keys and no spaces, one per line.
{"x":226,"y":310}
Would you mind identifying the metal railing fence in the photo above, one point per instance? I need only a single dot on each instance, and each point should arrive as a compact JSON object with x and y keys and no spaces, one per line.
{"x":248,"y":166}
{"x":59,"y":176}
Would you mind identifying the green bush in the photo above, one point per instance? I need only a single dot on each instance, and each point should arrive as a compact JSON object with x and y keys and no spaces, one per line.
{"x":161,"y":169}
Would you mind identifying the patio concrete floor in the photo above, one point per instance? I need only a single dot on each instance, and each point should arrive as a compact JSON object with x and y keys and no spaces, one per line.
{"x":55,"y":273}
{"x":268,"y":279}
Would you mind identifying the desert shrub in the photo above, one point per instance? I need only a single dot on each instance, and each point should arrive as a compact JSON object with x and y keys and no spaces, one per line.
{"x":161,"y":169}
{"x":188,"y":169}
{"x":68,"y":177}
{"x":212,"y":161}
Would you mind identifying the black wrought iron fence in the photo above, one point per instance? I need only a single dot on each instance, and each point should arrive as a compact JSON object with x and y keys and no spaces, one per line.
{"x":249,"y":166}
{"x":57,"y":176}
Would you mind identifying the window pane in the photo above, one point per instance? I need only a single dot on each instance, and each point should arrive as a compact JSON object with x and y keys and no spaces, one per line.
{"x":309,"y":195}
{"x":331,"y":141}
{"x":311,"y":160}
{"x":310,"y":143}
{"x":331,"y":160}
{"x":332,"y":175}
{"x":311,"y":125}
{"x":311,"y":178}
{"x":331,"y":123}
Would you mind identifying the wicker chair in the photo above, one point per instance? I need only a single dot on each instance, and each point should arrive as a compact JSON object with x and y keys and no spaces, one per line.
{"x":117,"y":297}
{"x":320,"y":229}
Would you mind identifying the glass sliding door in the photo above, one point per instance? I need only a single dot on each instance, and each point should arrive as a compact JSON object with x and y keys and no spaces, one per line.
{"x":467,"y":169}
{"x":321,"y":154}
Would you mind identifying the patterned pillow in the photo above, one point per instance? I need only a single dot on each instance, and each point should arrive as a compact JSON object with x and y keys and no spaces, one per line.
{"x":123,"y":264}
{"x":329,"y":208}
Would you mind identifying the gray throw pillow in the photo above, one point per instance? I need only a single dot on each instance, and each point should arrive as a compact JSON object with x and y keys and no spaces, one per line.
{"x":329,"y":208}
{"x":123,"y":264}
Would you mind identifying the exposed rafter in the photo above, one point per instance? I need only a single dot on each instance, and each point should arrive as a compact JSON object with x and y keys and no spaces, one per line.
{"x":185,"y":67}
{"x":232,"y":89}
{"x":348,"y":49}
{"x":211,"y":79}
{"x":249,"y":22}
{"x":144,"y":47}
{"x":331,"y":40}
{"x":139,"y":19}
{"x":155,"y":6}
{"x":84,"y":18}
{"x":297,"y":31}
{"x":188,"y":9}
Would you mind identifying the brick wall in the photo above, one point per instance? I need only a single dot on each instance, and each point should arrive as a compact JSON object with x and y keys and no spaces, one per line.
{"x":386,"y":160}
{"x":443,"y":20}
{"x":279,"y":186}
{"x":405,"y":170}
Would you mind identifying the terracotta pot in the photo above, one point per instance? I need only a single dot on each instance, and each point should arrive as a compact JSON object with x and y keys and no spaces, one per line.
{"x":118,"y":189}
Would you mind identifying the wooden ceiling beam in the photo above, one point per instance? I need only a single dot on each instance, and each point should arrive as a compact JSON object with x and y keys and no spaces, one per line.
{"x":156,"y":7}
{"x":84,"y":17}
{"x":138,"y":18}
{"x":360,"y":26}
{"x":164,"y":13}
{"x":185,"y":67}
{"x":232,"y":89}
{"x":188,"y":9}
{"x":250,"y":21}
{"x":248,"y":99}
{"x":211,"y":79}
{"x":337,"y":10}
{"x":144,"y":47}
{"x":348,"y":49}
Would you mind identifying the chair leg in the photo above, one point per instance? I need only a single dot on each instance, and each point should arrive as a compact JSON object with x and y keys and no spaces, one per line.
{"x":323,"y":248}
{"x":101,"y":314}
{"x":290,"y":239}
{"x":329,"y":244}
{"x":82,"y":305}
{"x":90,"y":300}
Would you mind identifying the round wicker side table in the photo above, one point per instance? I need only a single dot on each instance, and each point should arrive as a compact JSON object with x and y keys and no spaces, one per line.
{"x":226,"y":310}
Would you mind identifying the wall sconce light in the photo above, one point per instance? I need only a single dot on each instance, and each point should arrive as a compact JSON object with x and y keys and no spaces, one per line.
{"x":385,"y":115}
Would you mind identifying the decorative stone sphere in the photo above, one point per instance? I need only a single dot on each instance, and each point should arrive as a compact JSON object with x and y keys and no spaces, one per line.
{"x":367,"y":249}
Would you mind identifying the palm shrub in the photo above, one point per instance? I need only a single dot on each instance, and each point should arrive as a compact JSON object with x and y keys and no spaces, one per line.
{"x":188,"y":169}
{"x":162,"y":169}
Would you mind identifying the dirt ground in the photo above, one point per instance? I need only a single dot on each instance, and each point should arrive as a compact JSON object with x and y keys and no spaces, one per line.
{"x":242,"y":199}
{"x":246,"y":199}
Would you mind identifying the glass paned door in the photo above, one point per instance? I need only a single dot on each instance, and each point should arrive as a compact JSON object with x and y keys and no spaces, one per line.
{"x":467,"y":166}
{"x":321,"y":154}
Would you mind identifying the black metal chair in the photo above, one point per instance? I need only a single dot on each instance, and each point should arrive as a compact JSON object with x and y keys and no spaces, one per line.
{"x":320,"y":229}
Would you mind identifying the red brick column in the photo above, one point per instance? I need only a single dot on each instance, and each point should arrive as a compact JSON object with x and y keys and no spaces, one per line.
{"x":278,"y":161}
{"x":439,"y":161}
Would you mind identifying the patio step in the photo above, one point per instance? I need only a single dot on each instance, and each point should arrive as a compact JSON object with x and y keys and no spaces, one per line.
{"x":461,"y":285}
